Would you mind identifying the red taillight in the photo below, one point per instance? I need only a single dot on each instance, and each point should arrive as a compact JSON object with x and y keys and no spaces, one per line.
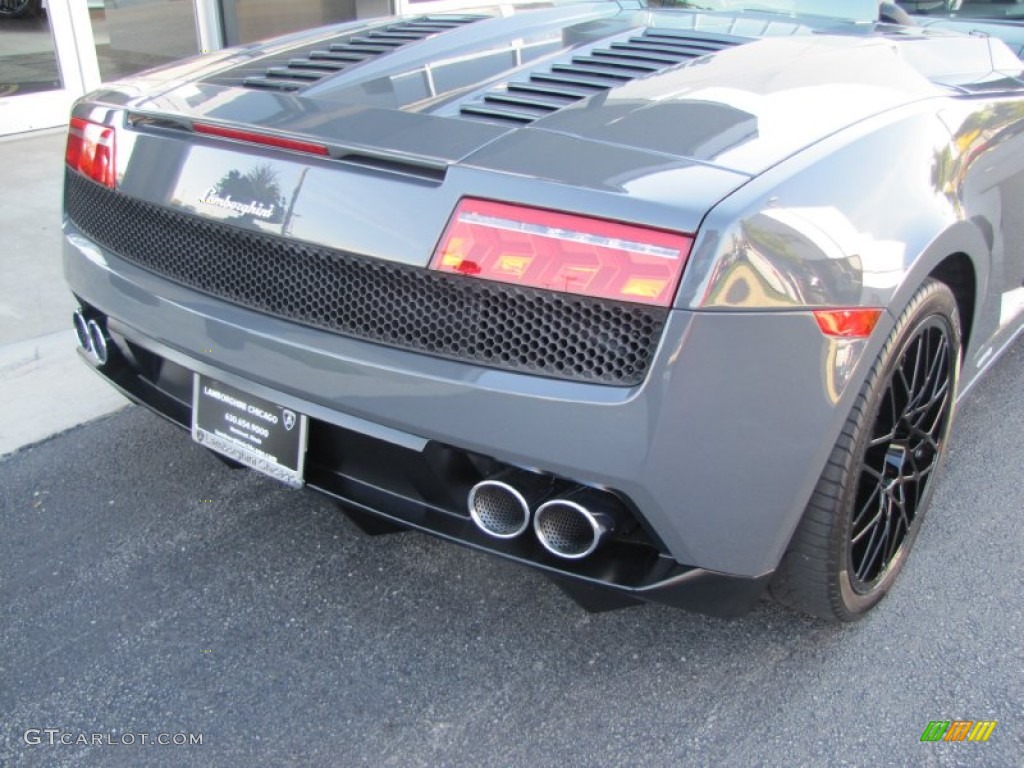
{"x":847,"y":323}
{"x":90,"y":151}
{"x":265,"y":139}
{"x":562,"y":252}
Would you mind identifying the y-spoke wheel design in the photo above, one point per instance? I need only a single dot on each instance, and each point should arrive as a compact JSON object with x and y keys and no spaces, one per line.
{"x":900,"y":458}
{"x":867,"y":508}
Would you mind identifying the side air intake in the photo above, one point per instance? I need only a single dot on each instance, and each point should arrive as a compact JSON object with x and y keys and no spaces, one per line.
{"x":584,"y":75}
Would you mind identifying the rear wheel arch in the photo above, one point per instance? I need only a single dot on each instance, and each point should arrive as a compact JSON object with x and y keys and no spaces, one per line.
{"x":878,"y":479}
{"x":960,"y":257}
{"x":957,"y":272}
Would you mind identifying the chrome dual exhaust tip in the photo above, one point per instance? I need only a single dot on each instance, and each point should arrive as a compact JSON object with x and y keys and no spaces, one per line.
{"x":573,"y":526}
{"x":498,"y":509}
{"x":98,"y":339}
{"x":82,"y":331}
{"x":501,"y":506}
{"x":92,"y":338}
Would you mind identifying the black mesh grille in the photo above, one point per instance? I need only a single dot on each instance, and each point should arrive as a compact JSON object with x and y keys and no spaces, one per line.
{"x":493,"y":324}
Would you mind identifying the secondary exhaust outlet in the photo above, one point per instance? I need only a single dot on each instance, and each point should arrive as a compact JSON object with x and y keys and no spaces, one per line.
{"x":82,"y":331}
{"x":500,"y":505}
{"x":98,"y":343}
{"x":573,"y":525}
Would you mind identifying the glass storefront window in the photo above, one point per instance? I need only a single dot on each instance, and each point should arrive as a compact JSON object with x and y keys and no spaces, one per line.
{"x":248,"y":20}
{"x":133,"y":35}
{"x":28,"y":57}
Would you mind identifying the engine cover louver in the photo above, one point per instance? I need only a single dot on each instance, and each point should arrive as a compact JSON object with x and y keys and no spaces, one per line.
{"x":583,"y":75}
{"x":299,"y":68}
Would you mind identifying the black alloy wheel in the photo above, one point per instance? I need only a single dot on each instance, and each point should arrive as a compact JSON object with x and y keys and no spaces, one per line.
{"x":908,"y":433}
{"x":867,"y":508}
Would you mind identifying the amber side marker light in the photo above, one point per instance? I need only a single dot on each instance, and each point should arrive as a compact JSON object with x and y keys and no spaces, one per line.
{"x":267,"y":140}
{"x":90,"y":151}
{"x":562,"y":252}
{"x":847,"y":323}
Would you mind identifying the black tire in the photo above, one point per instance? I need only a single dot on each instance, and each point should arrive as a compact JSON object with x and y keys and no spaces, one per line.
{"x":880,"y":475}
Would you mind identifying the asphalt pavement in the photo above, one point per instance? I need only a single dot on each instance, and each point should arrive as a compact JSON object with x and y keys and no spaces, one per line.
{"x":145,"y":588}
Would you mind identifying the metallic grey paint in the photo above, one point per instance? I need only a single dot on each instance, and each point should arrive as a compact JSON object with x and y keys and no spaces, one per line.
{"x":821,"y":166}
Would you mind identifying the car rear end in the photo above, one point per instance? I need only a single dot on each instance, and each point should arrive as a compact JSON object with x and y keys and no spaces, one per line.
{"x":461,"y":326}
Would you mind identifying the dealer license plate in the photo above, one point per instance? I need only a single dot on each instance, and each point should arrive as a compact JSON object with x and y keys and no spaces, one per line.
{"x":261,"y":434}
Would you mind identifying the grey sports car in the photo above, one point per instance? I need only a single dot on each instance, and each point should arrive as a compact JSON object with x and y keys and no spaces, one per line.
{"x":673,"y":304}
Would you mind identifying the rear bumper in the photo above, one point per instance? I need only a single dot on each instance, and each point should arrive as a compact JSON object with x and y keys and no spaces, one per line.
{"x":717,"y":450}
{"x":425,"y":490}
